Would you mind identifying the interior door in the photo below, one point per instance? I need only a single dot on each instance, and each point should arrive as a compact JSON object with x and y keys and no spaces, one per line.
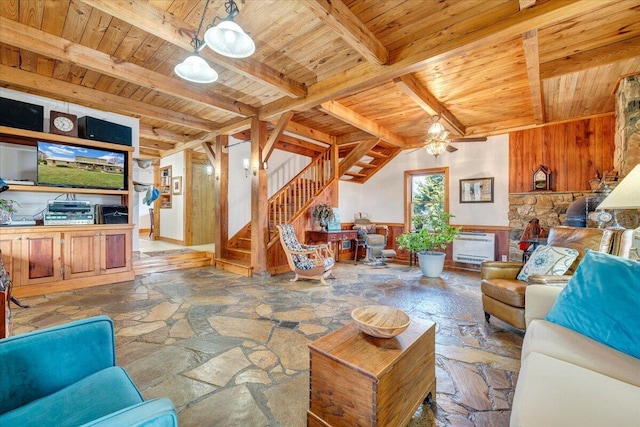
{"x":201,"y":215}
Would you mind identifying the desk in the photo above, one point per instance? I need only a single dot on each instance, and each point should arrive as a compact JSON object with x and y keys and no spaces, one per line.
{"x":333,"y":237}
{"x":360,"y":380}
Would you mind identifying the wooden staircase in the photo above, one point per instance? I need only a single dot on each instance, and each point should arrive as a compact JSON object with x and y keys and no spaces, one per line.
{"x":172,"y":262}
{"x":287,"y":203}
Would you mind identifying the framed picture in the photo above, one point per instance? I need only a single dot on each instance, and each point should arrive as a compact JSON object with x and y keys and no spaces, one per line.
{"x":177,"y":185}
{"x":478,"y":190}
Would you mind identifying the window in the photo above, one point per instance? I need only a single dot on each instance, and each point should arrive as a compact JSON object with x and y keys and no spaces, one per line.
{"x":425,"y":190}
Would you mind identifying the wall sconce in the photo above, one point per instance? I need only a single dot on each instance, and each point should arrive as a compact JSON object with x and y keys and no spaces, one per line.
{"x":245,"y":164}
{"x":209,"y":170}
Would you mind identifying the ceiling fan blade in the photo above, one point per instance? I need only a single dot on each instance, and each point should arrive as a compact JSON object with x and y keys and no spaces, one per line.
{"x":470,"y":139}
{"x":451,"y":149}
{"x":414,"y":150}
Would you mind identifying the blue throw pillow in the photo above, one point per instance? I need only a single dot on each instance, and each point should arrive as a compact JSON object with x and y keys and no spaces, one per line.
{"x":602,"y":301}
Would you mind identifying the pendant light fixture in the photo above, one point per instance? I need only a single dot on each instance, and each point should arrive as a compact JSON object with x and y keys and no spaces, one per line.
{"x":436,"y":141}
{"x":226,"y":38}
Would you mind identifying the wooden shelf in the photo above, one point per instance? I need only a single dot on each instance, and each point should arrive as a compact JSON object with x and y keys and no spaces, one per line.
{"x":52,"y":189}
{"x":29,"y":135}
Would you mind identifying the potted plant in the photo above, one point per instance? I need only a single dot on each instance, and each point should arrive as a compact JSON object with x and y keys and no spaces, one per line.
{"x":7,"y":209}
{"x":323,"y":214}
{"x":436,"y":233}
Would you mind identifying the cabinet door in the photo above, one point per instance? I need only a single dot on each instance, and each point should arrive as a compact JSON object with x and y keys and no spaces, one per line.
{"x":81,"y":254}
{"x":115,"y":251}
{"x":41,"y":258}
{"x":10,"y":246}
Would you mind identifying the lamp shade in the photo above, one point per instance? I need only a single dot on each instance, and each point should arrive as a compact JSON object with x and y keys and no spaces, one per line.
{"x":196,"y":70}
{"x":626,"y":195}
{"x":228,"y":39}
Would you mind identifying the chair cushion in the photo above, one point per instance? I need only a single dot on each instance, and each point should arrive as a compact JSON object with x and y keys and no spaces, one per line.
{"x":508,"y":291}
{"x":601,"y":301}
{"x":548,"y":260}
{"x":95,"y":396}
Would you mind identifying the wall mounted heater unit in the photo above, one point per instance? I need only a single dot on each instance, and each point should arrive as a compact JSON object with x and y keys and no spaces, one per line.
{"x":473,"y":248}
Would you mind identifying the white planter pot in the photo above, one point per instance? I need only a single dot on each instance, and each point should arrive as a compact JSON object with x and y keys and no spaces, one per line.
{"x":431,"y":263}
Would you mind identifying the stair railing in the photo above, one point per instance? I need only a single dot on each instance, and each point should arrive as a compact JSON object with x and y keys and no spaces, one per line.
{"x":287,"y":202}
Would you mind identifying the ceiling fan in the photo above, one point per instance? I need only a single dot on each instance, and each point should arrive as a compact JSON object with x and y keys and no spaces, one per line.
{"x":436,"y":141}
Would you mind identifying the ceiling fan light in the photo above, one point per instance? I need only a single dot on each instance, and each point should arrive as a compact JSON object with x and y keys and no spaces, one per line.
{"x":435,"y":147}
{"x":228,"y":39}
{"x":436,"y":128}
{"x":196,"y":70}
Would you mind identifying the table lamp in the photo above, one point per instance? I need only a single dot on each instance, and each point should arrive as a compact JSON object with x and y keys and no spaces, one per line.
{"x":626,"y":195}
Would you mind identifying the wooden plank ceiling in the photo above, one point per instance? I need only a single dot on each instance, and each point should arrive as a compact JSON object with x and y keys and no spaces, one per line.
{"x":365,"y":74}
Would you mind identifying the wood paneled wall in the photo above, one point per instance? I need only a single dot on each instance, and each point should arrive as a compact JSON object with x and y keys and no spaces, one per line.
{"x":573,"y":151}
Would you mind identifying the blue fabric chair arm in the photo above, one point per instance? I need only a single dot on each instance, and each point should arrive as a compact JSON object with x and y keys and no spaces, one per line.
{"x":42,"y":362}
{"x":152,"y":413}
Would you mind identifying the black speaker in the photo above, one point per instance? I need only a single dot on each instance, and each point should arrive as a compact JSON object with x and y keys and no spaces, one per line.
{"x":115,"y":214}
{"x":101,"y":130}
{"x":21,"y":115}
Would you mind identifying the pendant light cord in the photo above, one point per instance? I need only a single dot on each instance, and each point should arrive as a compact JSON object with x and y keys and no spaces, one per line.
{"x":196,"y":43}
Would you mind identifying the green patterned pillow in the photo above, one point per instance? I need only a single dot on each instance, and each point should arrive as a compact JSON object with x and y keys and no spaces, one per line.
{"x":548,"y":260}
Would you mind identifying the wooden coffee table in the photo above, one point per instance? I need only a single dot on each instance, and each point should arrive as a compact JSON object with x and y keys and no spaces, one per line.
{"x":360,"y":380}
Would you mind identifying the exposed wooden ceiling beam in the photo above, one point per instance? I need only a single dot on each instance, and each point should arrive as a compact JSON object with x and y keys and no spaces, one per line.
{"x":234,"y":128}
{"x":295,"y":149}
{"x":34,"y":40}
{"x":160,"y":134}
{"x":149,"y":152}
{"x":416,"y":55}
{"x":209,"y":152}
{"x":525,"y":4}
{"x":158,"y":145}
{"x":353,"y":137}
{"x":429,"y":103}
{"x":347,"y":115}
{"x":625,"y":49}
{"x":276,"y":133}
{"x":167,"y":27}
{"x":310,"y":133}
{"x":301,"y":143}
{"x":97,"y":99}
{"x":355,"y":155}
{"x":532,"y":58}
{"x":340,"y":19}
{"x":196,"y":143}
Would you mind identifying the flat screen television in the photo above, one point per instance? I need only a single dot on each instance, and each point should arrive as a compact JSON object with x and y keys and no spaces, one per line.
{"x":76,"y":166}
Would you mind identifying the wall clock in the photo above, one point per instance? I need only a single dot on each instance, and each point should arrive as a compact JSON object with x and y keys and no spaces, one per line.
{"x":63,"y":123}
{"x":542,"y":179}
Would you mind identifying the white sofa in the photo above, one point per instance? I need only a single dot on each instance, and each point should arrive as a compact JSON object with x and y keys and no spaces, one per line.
{"x":567,"y":379}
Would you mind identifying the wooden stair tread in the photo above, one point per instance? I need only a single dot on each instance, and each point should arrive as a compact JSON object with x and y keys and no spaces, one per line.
{"x":236,"y":266}
{"x":161,"y":263}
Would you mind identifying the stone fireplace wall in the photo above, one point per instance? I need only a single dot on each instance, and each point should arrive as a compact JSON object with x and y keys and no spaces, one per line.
{"x":549,"y":208}
{"x":627,"y":139}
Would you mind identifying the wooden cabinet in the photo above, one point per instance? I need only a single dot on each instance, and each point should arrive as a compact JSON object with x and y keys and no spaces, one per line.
{"x":81,"y":254}
{"x":115,"y":250}
{"x":53,"y":259}
{"x":44,"y":259}
{"x":359,"y":380}
{"x":41,"y":258}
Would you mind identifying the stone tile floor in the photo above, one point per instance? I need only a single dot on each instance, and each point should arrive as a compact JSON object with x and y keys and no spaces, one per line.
{"x":232,"y":351}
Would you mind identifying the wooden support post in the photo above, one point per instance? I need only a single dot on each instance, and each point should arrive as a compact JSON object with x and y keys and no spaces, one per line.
{"x":221,"y":210}
{"x":259,"y":200}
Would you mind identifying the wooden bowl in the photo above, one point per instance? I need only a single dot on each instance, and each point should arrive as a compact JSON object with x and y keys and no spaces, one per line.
{"x":381,"y":321}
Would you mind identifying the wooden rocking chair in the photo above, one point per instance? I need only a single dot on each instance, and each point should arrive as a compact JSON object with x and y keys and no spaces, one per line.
{"x":306,"y":261}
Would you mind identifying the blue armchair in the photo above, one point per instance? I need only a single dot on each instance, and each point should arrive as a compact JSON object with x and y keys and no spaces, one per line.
{"x":67,"y":376}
